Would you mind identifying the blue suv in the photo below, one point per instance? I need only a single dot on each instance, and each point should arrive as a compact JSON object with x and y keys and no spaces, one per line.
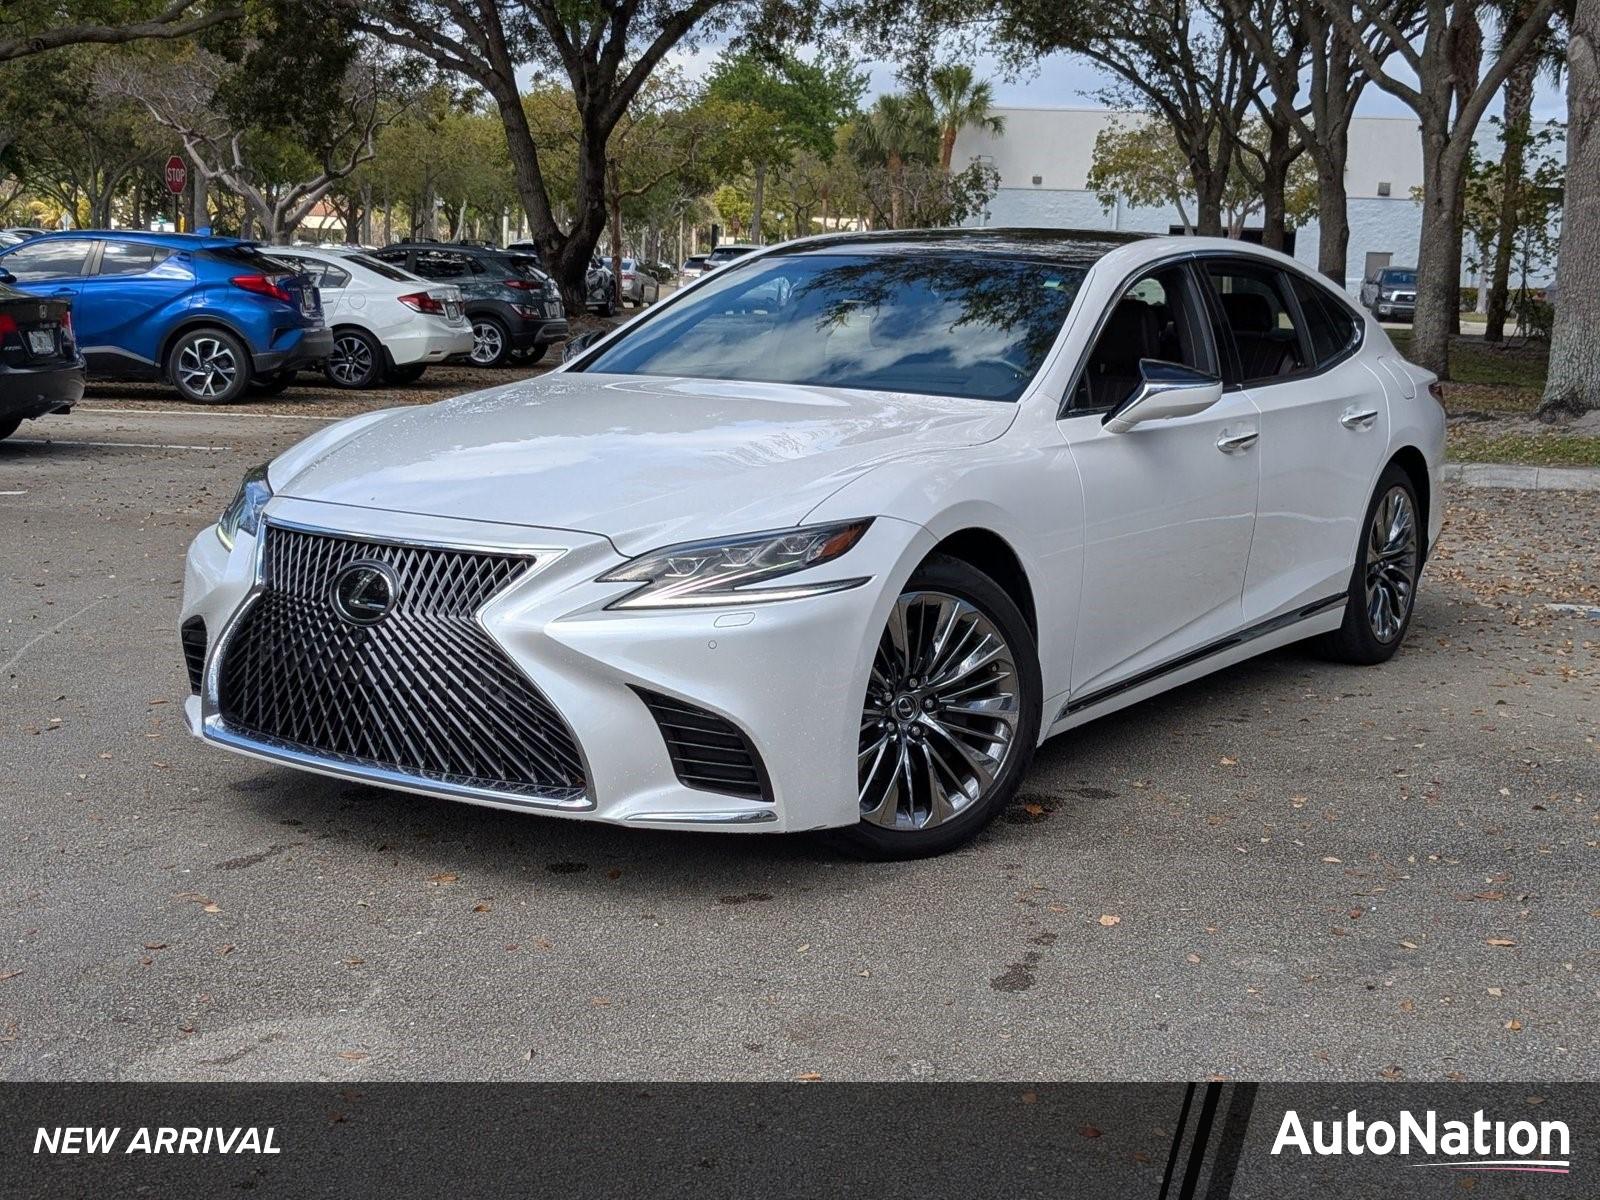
{"x":212,"y":316}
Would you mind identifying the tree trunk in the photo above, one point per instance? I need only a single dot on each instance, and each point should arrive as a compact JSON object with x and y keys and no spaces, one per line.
{"x":947,"y":147}
{"x":1573,"y":383}
{"x":1518,"y":118}
{"x":201,"y":201}
{"x":758,"y":199}
{"x":1439,"y":254}
{"x":614,"y":191}
{"x":1208,"y":203}
{"x":1333,"y":224}
{"x":897,"y":168}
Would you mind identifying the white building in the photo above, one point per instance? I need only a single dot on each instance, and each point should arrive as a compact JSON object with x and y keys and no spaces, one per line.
{"x":1044,"y":155}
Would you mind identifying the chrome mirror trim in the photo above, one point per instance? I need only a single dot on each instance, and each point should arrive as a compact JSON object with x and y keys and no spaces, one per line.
{"x":1166,"y":390}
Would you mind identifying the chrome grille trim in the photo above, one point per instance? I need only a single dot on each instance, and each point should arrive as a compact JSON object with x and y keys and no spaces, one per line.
{"x":424,"y":700}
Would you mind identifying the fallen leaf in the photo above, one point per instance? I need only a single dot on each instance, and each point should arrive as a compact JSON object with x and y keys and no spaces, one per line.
{"x":155,"y":945}
{"x":1088,"y":1131}
{"x":1228,"y":762}
{"x":443,"y":878}
{"x":808,"y":1077}
{"x":352,"y":1055}
{"x":1499,"y":942}
{"x":1494,"y":991}
{"x":1513,"y":1025}
{"x":1194,"y":958}
{"x":1409,"y":945}
{"x":1110,"y":919}
{"x":484,"y":907}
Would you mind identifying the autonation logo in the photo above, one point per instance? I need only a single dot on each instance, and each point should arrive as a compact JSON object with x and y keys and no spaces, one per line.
{"x":1476,"y":1145}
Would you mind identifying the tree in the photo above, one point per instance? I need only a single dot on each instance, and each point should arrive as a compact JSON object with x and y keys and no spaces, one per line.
{"x":1449,"y":97}
{"x":898,"y":129}
{"x":794,"y":106}
{"x":606,"y":49}
{"x":1572,"y":385}
{"x":35,"y":28}
{"x":960,"y":102}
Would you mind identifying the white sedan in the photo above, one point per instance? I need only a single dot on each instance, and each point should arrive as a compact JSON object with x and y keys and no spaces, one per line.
{"x":388,"y":324}
{"x":831,"y":539}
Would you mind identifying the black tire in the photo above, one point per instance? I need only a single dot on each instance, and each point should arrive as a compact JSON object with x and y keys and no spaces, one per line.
{"x":950,"y":578}
{"x":409,"y":373}
{"x":272,"y":385}
{"x":208,"y":366}
{"x":7,"y":428}
{"x":1373,"y":629}
{"x":491,"y":343}
{"x":357,"y":360}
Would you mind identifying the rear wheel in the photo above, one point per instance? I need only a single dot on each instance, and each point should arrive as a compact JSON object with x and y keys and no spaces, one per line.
{"x":950,"y":718}
{"x":1383,"y":586}
{"x":491,"y":345}
{"x":409,"y":373}
{"x":209,"y":366}
{"x":356,"y":361}
{"x":526,"y":358}
{"x":7,"y":428}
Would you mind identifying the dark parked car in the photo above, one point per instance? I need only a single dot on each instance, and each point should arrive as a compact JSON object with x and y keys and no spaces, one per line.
{"x":41,"y":370}
{"x":1391,"y":294}
{"x":514,"y":307}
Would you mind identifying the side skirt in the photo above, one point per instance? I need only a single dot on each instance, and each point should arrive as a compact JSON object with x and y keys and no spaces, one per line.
{"x":1322,"y":616}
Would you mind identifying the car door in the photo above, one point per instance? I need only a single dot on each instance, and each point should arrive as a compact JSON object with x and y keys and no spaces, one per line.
{"x":117,"y":313}
{"x":50,"y":266}
{"x":1324,"y":428}
{"x":1169,"y":506}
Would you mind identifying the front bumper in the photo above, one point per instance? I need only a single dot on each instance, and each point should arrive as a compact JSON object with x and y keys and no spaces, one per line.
{"x":790,"y":676}
{"x":1390,"y":310}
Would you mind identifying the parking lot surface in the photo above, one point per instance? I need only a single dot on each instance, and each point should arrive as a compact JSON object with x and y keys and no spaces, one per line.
{"x":1291,"y":870}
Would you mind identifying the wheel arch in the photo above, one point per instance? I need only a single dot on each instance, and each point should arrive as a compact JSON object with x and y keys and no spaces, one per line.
{"x":1412,"y":461}
{"x":990,"y":553}
{"x":205,"y":321}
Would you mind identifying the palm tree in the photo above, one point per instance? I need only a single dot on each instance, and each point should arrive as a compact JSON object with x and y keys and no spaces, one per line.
{"x":895,"y":130}
{"x":959,"y":101}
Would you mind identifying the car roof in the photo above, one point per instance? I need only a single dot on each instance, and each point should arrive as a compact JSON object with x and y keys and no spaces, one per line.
{"x":1077,"y":247}
{"x":174,"y":241}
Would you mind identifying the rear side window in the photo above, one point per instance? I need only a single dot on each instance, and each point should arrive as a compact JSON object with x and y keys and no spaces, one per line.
{"x":48,"y":259}
{"x":383,"y":269}
{"x":246,"y":258}
{"x":440,"y":264}
{"x":324,"y":275}
{"x":1334,"y":329}
{"x":1256,"y":310}
{"x":131,"y":258}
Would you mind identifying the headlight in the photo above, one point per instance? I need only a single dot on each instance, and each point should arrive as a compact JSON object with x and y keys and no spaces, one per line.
{"x":243,"y":514}
{"x":731,"y":570}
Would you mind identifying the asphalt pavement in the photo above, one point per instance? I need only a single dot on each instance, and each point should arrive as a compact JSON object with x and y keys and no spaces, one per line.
{"x":1292,"y":870}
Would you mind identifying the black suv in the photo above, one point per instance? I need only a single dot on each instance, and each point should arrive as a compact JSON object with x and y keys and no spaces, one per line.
{"x":514,"y":307}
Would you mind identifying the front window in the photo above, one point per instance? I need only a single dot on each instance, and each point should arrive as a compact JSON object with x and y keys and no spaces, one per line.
{"x":1400,"y":279}
{"x":975,"y":325}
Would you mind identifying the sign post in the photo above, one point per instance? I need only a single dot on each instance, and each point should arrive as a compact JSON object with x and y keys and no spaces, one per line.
{"x":177,"y":177}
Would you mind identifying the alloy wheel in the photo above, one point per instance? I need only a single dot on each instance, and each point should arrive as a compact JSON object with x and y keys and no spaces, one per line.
{"x":941,"y":714}
{"x":351,"y":361}
{"x":487,"y":343}
{"x":1391,"y":564}
{"x":207,"y":367}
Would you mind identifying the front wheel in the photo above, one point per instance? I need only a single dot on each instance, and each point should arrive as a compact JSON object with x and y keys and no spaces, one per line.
{"x":209,"y":366}
{"x":950,"y":718}
{"x":7,"y":428}
{"x":1383,"y":586}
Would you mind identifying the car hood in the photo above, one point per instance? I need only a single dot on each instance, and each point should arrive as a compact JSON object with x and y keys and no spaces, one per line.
{"x":643,"y":461}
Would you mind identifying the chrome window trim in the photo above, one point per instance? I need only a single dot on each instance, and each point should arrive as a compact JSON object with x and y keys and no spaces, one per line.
{"x":215,"y":729}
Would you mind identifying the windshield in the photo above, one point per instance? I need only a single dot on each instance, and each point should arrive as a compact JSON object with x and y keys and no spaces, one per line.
{"x":935,"y":324}
{"x":1402,"y":277}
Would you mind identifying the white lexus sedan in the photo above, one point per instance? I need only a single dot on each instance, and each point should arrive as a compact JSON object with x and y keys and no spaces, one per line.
{"x":831,"y":539}
{"x":388,"y":325}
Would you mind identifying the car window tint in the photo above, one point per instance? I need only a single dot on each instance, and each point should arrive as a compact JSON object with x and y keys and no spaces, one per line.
{"x":325,"y":275}
{"x":440,"y":264}
{"x":935,"y":324}
{"x":247,"y":258}
{"x":397,"y":257}
{"x":1332,"y":326}
{"x":1156,"y":318}
{"x":130,"y":258}
{"x":48,"y":259}
{"x":1257,"y":314}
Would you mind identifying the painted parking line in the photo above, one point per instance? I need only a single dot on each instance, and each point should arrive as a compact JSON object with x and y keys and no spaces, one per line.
{"x":179,"y":412}
{"x":110,"y":445}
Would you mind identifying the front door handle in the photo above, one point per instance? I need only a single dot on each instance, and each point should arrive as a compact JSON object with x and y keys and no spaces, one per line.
{"x":1359,"y":418}
{"x":1233,"y":443}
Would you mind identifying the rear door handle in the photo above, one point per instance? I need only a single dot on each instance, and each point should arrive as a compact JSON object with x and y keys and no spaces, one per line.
{"x":1359,"y":418}
{"x":1233,"y":443}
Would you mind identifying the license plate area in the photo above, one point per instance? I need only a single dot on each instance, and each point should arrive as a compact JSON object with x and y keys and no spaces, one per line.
{"x":452,"y":310}
{"x":42,"y":341}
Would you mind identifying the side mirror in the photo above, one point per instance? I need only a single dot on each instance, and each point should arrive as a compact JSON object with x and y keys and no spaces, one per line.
{"x":1165,"y":390}
{"x":577,"y":345}
{"x":6,"y":276}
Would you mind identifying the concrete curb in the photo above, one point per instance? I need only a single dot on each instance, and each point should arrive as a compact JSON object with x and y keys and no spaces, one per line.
{"x":1531,"y":479}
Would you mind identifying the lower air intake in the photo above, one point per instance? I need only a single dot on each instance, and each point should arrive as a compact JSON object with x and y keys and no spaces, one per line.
{"x":708,"y":752}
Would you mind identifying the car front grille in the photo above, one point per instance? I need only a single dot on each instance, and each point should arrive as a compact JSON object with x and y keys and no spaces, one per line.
{"x":423,"y":692}
{"x":707,"y":752}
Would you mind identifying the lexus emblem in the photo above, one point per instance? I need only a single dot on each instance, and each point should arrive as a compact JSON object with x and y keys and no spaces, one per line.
{"x":365,"y":592}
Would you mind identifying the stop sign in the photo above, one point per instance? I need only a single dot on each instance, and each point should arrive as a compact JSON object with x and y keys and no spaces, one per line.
{"x":176,"y":174}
